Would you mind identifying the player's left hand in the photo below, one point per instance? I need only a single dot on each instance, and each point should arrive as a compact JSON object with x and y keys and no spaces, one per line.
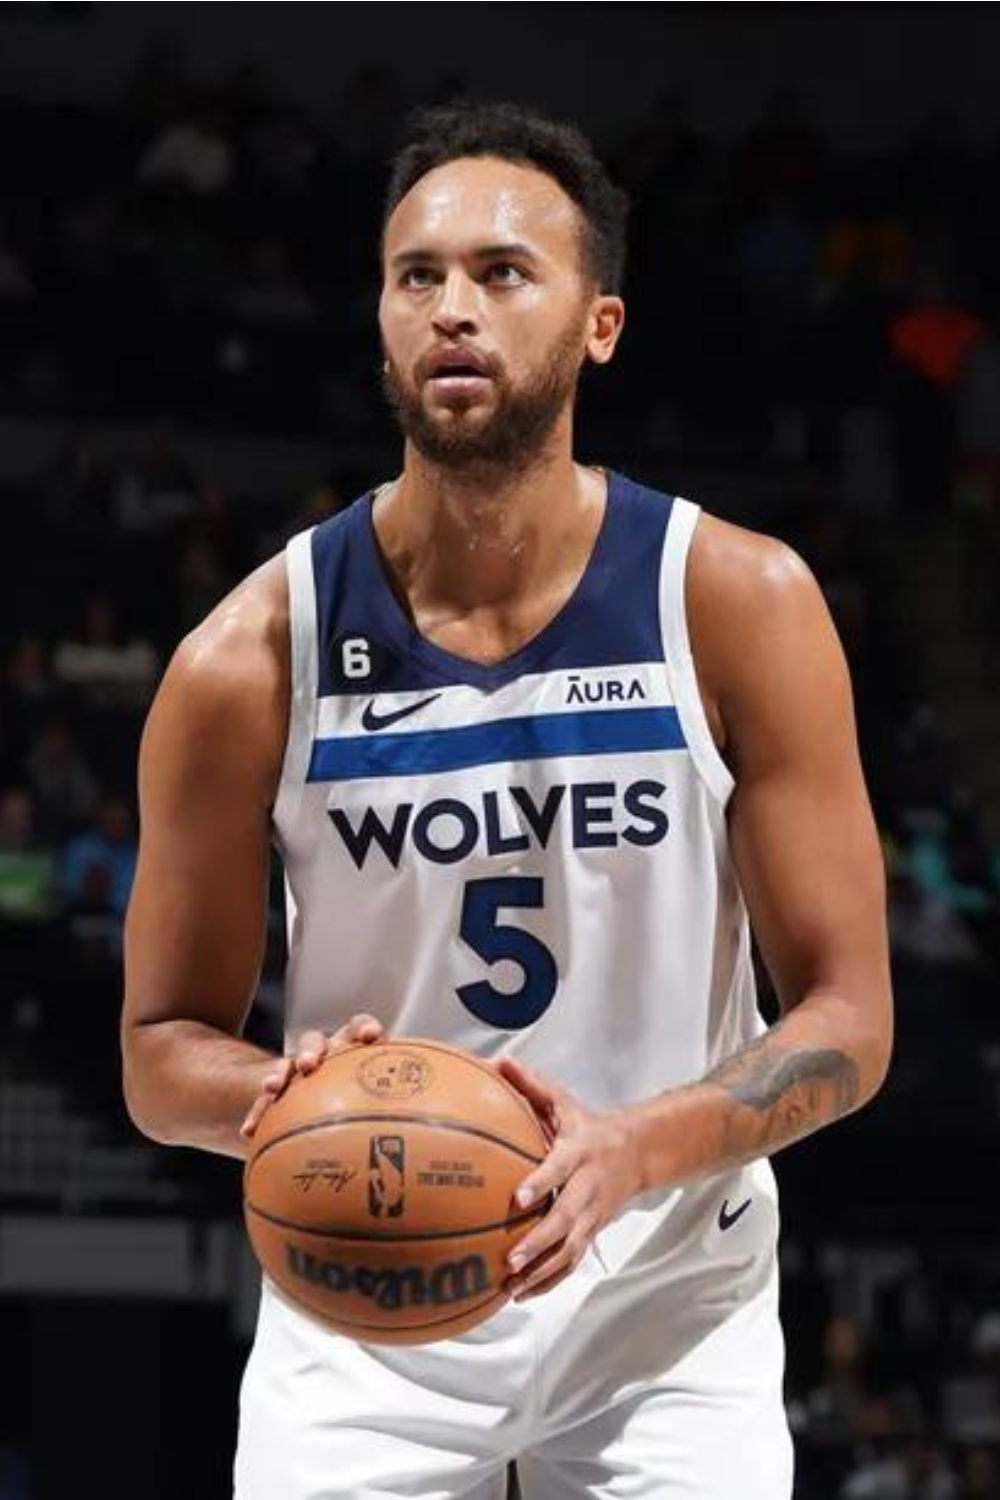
{"x":592,"y":1170}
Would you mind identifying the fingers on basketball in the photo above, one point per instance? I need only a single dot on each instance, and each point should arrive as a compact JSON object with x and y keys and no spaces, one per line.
{"x":315,"y":1046}
{"x":272,"y":1086}
{"x":362,"y":1028}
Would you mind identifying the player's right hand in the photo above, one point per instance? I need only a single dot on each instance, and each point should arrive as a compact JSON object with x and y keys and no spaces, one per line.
{"x":312,"y":1048}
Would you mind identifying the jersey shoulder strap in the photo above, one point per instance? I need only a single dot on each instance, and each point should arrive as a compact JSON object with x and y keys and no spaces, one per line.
{"x":677,"y":652}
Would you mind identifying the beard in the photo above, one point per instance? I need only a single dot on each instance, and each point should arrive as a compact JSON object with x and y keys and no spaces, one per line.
{"x":514,"y":435}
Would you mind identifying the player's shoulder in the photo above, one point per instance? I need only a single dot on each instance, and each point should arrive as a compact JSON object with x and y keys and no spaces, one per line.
{"x":750,"y":599}
{"x":745,"y":587}
{"x":742,"y":568}
{"x":240,"y":650}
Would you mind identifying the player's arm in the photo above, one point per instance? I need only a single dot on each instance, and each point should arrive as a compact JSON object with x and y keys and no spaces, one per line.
{"x":806,"y":849}
{"x":805,"y":845}
{"x":196,"y":925}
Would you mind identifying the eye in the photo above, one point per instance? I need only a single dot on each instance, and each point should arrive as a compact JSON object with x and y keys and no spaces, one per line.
{"x":417,"y":278}
{"x":505,"y":273}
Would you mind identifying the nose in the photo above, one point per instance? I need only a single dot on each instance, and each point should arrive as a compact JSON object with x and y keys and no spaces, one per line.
{"x":455,"y":309}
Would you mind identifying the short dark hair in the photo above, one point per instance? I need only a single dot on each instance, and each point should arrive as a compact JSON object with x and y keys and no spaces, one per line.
{"x":514,"y":133}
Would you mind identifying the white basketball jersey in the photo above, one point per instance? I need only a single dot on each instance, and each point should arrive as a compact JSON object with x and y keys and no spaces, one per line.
{"x":525,"y":858}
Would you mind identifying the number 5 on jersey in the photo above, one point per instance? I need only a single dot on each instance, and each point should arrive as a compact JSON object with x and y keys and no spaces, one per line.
{"x":493,"y":940}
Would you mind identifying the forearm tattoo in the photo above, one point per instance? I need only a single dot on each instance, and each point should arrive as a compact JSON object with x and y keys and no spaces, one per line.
{"x":779,"y":1096}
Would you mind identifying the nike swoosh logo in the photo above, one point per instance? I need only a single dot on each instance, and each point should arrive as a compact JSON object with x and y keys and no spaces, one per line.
{"x":727,"y":1220}
{"x":371,"y":720}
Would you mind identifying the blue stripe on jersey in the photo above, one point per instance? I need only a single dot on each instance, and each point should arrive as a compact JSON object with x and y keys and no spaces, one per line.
{"x":535,"y":737}
{"x":611,"y":619}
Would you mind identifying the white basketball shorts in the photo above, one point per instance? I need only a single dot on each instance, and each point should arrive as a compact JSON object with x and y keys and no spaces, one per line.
{"x":608,"y":1386}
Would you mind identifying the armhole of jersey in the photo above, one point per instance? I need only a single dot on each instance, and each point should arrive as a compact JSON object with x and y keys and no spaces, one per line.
{"x":677,"y":651}
{"x":304,"y":674}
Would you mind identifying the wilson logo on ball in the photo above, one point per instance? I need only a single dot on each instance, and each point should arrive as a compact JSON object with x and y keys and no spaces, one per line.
{"x":406,"y":1286}
{"x":386,"y":1166}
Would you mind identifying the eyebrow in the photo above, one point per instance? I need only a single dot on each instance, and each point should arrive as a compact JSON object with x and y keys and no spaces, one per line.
{"x":511,"y":249}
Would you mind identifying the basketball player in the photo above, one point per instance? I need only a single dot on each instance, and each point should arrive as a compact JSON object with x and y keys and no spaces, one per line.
{"x":536,"y":745}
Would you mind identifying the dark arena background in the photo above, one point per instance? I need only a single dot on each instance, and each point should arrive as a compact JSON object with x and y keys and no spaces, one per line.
{"x":189,"y":207}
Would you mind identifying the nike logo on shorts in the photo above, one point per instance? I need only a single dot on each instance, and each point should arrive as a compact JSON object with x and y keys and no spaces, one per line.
{"x":727,"y":1220}
{"x":372,"y":720}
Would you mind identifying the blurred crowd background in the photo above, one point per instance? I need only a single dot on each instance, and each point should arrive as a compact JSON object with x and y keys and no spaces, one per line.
{"x":188,"y":375}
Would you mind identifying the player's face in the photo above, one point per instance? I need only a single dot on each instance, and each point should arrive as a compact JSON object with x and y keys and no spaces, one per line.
{"x":486,"y":313}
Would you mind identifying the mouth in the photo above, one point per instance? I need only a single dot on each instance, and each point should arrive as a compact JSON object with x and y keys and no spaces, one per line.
{"x":459,"y":388}
{"x":457,"y":369}
{"x":458,"y":384}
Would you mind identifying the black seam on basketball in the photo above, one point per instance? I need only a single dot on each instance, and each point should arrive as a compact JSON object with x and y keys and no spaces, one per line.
{"x":439,"y":1122}
{"x":388,"y":1236}
{"x":336,"y":1321}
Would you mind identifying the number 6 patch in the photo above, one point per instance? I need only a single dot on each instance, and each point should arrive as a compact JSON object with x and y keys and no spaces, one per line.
{"x":356,"y":661}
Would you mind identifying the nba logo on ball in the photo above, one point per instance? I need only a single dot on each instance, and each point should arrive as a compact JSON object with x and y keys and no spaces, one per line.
{"x":386,"y":1162}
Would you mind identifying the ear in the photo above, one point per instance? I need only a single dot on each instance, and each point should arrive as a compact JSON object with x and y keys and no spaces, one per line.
{"x":607,"y":318}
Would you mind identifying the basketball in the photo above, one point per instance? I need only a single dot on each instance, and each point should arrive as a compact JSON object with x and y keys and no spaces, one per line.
{"x":379,"y":1193}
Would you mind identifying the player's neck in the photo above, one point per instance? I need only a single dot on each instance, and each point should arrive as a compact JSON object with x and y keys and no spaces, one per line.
{"x":488,"y":541}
